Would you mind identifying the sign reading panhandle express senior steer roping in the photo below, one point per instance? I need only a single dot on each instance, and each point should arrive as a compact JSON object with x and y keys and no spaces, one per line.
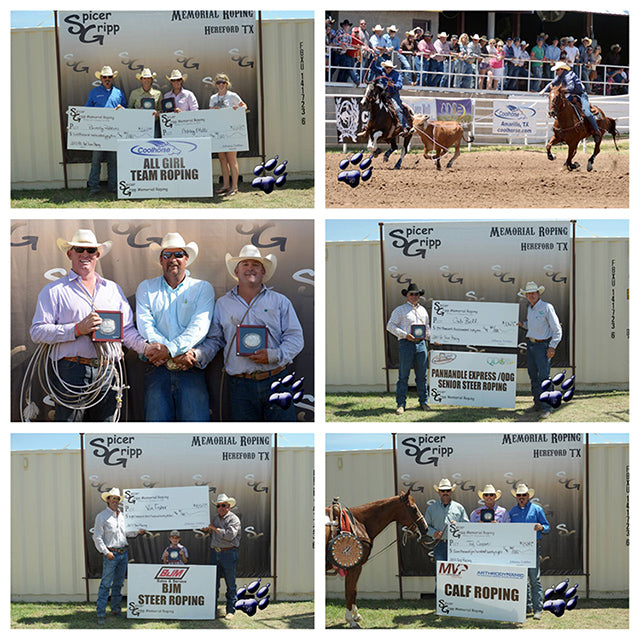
{"x":155,"y":168}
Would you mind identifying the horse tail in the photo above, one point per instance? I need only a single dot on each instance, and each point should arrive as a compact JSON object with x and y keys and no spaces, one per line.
{"x":613,"y":131}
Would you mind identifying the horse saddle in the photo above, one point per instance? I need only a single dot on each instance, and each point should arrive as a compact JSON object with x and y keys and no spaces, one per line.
{"x":344,"y":548}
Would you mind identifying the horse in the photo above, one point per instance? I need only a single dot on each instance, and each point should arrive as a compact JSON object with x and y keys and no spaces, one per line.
{"x":367,"y":521}
{"x":383,"y":125}
{"x":439,"y":136}
{"x":570,"y":126}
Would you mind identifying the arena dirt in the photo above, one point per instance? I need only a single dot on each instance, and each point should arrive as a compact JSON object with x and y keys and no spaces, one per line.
{"x":487,"y":179}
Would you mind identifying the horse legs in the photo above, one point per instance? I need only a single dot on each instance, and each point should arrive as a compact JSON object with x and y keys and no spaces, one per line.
{"x":572,"y":152}
{"x":551,"y":142}
{"x":596,"y":151}
{"x":455,"y":155}
{"x":372,"y":145}
{"x":350,"y":590}
{"x":390,"y":150}
{"x":403,"y":152}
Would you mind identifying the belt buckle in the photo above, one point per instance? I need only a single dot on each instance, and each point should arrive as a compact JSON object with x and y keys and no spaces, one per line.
{"x":171,"y":365}
{"x":217,"y":549}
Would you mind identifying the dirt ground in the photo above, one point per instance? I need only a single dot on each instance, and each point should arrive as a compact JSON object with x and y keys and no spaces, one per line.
{"x":497,"y":179}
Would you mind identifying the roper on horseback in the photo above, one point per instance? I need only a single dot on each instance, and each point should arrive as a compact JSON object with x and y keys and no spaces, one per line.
{"x":386,"y":74}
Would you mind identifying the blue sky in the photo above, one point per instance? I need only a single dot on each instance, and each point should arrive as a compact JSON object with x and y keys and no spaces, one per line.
{"x":346,"y":230}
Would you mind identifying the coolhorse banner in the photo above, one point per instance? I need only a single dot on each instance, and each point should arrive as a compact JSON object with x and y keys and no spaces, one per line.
{"x":515,"y":118}
{"x":200,"y":44}
{"x":552,"y":464}
{"x":240,"y":465}
{"x":480,"y":262}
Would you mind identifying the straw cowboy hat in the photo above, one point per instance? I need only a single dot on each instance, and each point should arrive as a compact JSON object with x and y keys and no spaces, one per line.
{"x":522,"y":488}
{"x":146,"y":73}
{"x":445,"y":483}
{"x":249,"y":252}
{"x":412,"y":287}
{"x":176,"y":74}
{"x":561,"y":65}
{"x":106,"y":71}
{"x":387,"y":63}
{"x":174,"y":240}
{"x":443,"y":34}
{"x":489,"y":488}
{"x":378,"y":27}
{"x":392,"y":28}
{"x":531,"y":287}
{"x":112,"y":493}
{"x":223,"y":497}
{"x":84,"y":238}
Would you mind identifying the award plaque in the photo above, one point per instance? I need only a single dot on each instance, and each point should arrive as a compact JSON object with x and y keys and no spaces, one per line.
{"x":173,"y":555}
{"x":148,"y":103}
{"x":168,"y":104}
{"x":111,"y":328}
{"x":419,"y":331}
{"x":487,"y":515}
{"x":250,"y":338}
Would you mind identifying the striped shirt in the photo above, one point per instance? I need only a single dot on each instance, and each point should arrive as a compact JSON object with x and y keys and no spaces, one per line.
{"x":406,"y":315}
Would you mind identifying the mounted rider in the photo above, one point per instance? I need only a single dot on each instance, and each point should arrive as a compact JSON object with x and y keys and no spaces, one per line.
{"x":385,"y":71}
{"x":576,"y":93}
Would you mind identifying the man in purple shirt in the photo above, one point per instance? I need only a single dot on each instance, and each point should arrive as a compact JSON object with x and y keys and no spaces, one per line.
{"x":65,"y":319}
{"x":104,"y":96}
{"x":490,"y":512}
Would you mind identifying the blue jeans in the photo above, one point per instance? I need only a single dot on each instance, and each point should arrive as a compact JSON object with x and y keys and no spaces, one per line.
{"x":226,"y":563}
{"x":406,"y":67}
{"x":435,"y":78}
{"x":412,"y":355}
{"x":175,"y":396}
{"x":113,"y":574}
{"x":424,"y":65}
{"x":79,"y":375}
{"x":534,"y":585}
{"x":538,"y":366}
{"x":250,"y":401}
{"x":536,"y":72}
{"x":110,"y":157}
{"x":397,"y":106}
{"x":586,"y":110}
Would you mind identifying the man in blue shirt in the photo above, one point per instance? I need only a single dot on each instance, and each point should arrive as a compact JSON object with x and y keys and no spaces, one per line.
{"x":531,"y":513}
{"x":387,"y":73}
{"x":104,"y":96}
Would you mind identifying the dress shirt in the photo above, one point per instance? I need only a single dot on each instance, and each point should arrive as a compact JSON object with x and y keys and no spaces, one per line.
{"x":542,"y":323}
{"x":270,"y":309}
{"x":64,"y":302}
{"x":531,"y":513}
{"x":500,"y":514}
{"x":109,"y":531}
{"x":230,"y":530}
{"x":572,"y":54}
{"x":135,"y":98}
{"x":391,"y":43}
{"x":106,"y":98}
{"x":185,"y":100}
{"x":178,"y":318}
{"x":438,"y":517}
{"x":376,"y":42}
{"x":552,"y":53}
{"x":442,"y":49}
{"x":570,"y":81}
{"x":404,"y":316}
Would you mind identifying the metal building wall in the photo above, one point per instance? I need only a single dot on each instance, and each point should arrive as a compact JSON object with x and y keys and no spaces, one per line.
{"x":36,"y":149}
{"x":47,"y":552}
{"x":361,"y":476}
{"x":354,"y":336}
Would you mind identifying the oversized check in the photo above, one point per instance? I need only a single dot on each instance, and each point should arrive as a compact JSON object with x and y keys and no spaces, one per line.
{"x":506,"y":543}
{"x":472,"y":379}
{"x":98,"y":129}
{"x":166,"y":508}
{"x":172,"y":592}
{"x":226,"y":127}
{"x":488,"y":324}
{"x":489,"y":592}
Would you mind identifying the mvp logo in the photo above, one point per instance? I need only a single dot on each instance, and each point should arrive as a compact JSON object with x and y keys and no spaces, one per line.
{"x":172,"y":573}
{"x":452,"y":568}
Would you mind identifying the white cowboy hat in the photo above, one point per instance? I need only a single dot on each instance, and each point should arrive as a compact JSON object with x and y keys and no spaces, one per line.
{"x":146,"y":73}
{"x":489,"y":488}
{"x":223,"y":497}
{"x":392,"y":28}
{"x":106,"y":71}
{"x":522,"y":488}
{"x":531,"y":287}
{"x":378,"y":27}
{"x":175,"y":532}
{"x":84,"y":238}
{"x":176,"y":74}
{"x":249,"y":252}
{"x":561,"y":65}
{"x":443,"y":34}
{"x":174,"y":240}
{"x":387,"y":63}
{"x":445,"y":483}
{"x":115,"y":492}
{"x":475,"y":37}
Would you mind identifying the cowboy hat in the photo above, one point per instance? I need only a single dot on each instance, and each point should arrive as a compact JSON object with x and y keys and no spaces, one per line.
{"x":174,"y":240}
{"x":412,"y":287}
{"x":378,"y":27}
{"x":175,"y":532}
{"x":587,"y":40}
{"x":561,"y":65}
{"x":445,"y":483}
{"x":489,"y":488}
{"x":531,"y":287}
{"x":392,"y":28}
{"x":249,"y":252}
{"x":115,"y":493}
{"x":387,"y":63}
{"x":106,"y":71}
{"x":176,"y":74}
{"x":522,"y":488}
{"x":146,"y":73}
{"x":84,"y":238}
{"x":443,"y":34}
{"x":223,"y":497}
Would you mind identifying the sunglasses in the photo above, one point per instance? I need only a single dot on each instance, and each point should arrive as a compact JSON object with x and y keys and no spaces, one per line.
{"x":521,"y":495}
{"x":445,"y":490}
{"x":413,"y":294}
{"x":83,"y":249}
{"x":221,"y":82}
{"x":167,"y":255}
{"x":489,"y":495}
{"x":222,"y":506}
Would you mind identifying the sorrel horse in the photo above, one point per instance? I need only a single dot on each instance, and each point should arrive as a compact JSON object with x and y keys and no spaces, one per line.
{"x":383,"y":125}
{"x":369,"y":520}
{"x":570,"y":126}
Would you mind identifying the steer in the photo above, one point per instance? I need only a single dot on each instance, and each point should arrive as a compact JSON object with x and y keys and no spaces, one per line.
{"x":438,"y":136}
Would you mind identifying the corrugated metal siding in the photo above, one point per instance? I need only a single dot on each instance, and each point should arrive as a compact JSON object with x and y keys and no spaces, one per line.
{"x":47,"y":552}
{"x":354,"y":336}
{"x":36,"y":149}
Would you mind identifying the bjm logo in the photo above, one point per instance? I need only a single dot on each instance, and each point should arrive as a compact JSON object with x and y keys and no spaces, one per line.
{"x":172,"y":573}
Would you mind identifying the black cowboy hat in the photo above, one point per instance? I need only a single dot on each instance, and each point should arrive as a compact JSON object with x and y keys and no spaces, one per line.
{"x":412,"y":287}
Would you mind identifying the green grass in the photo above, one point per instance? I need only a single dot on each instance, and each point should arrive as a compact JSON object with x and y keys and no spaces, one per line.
{"x":586,"y":406}
{"x":420,"y":614}
{"x":82,"y":615}
{"x":296,"y":194}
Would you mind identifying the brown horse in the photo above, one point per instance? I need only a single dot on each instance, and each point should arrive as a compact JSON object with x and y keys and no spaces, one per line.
{"x":369,"y":520}
{"x":570,"y":126}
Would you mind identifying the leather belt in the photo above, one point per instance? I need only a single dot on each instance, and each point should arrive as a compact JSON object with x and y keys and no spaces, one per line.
{"x":90,"y":362}
{"x":260,"y":375}
{"x":120,"y":550}
{"x":534,"y":340}
{"x":219,"y":549}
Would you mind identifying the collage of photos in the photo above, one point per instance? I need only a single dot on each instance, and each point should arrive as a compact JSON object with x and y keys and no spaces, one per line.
{"x":184,"y":249}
